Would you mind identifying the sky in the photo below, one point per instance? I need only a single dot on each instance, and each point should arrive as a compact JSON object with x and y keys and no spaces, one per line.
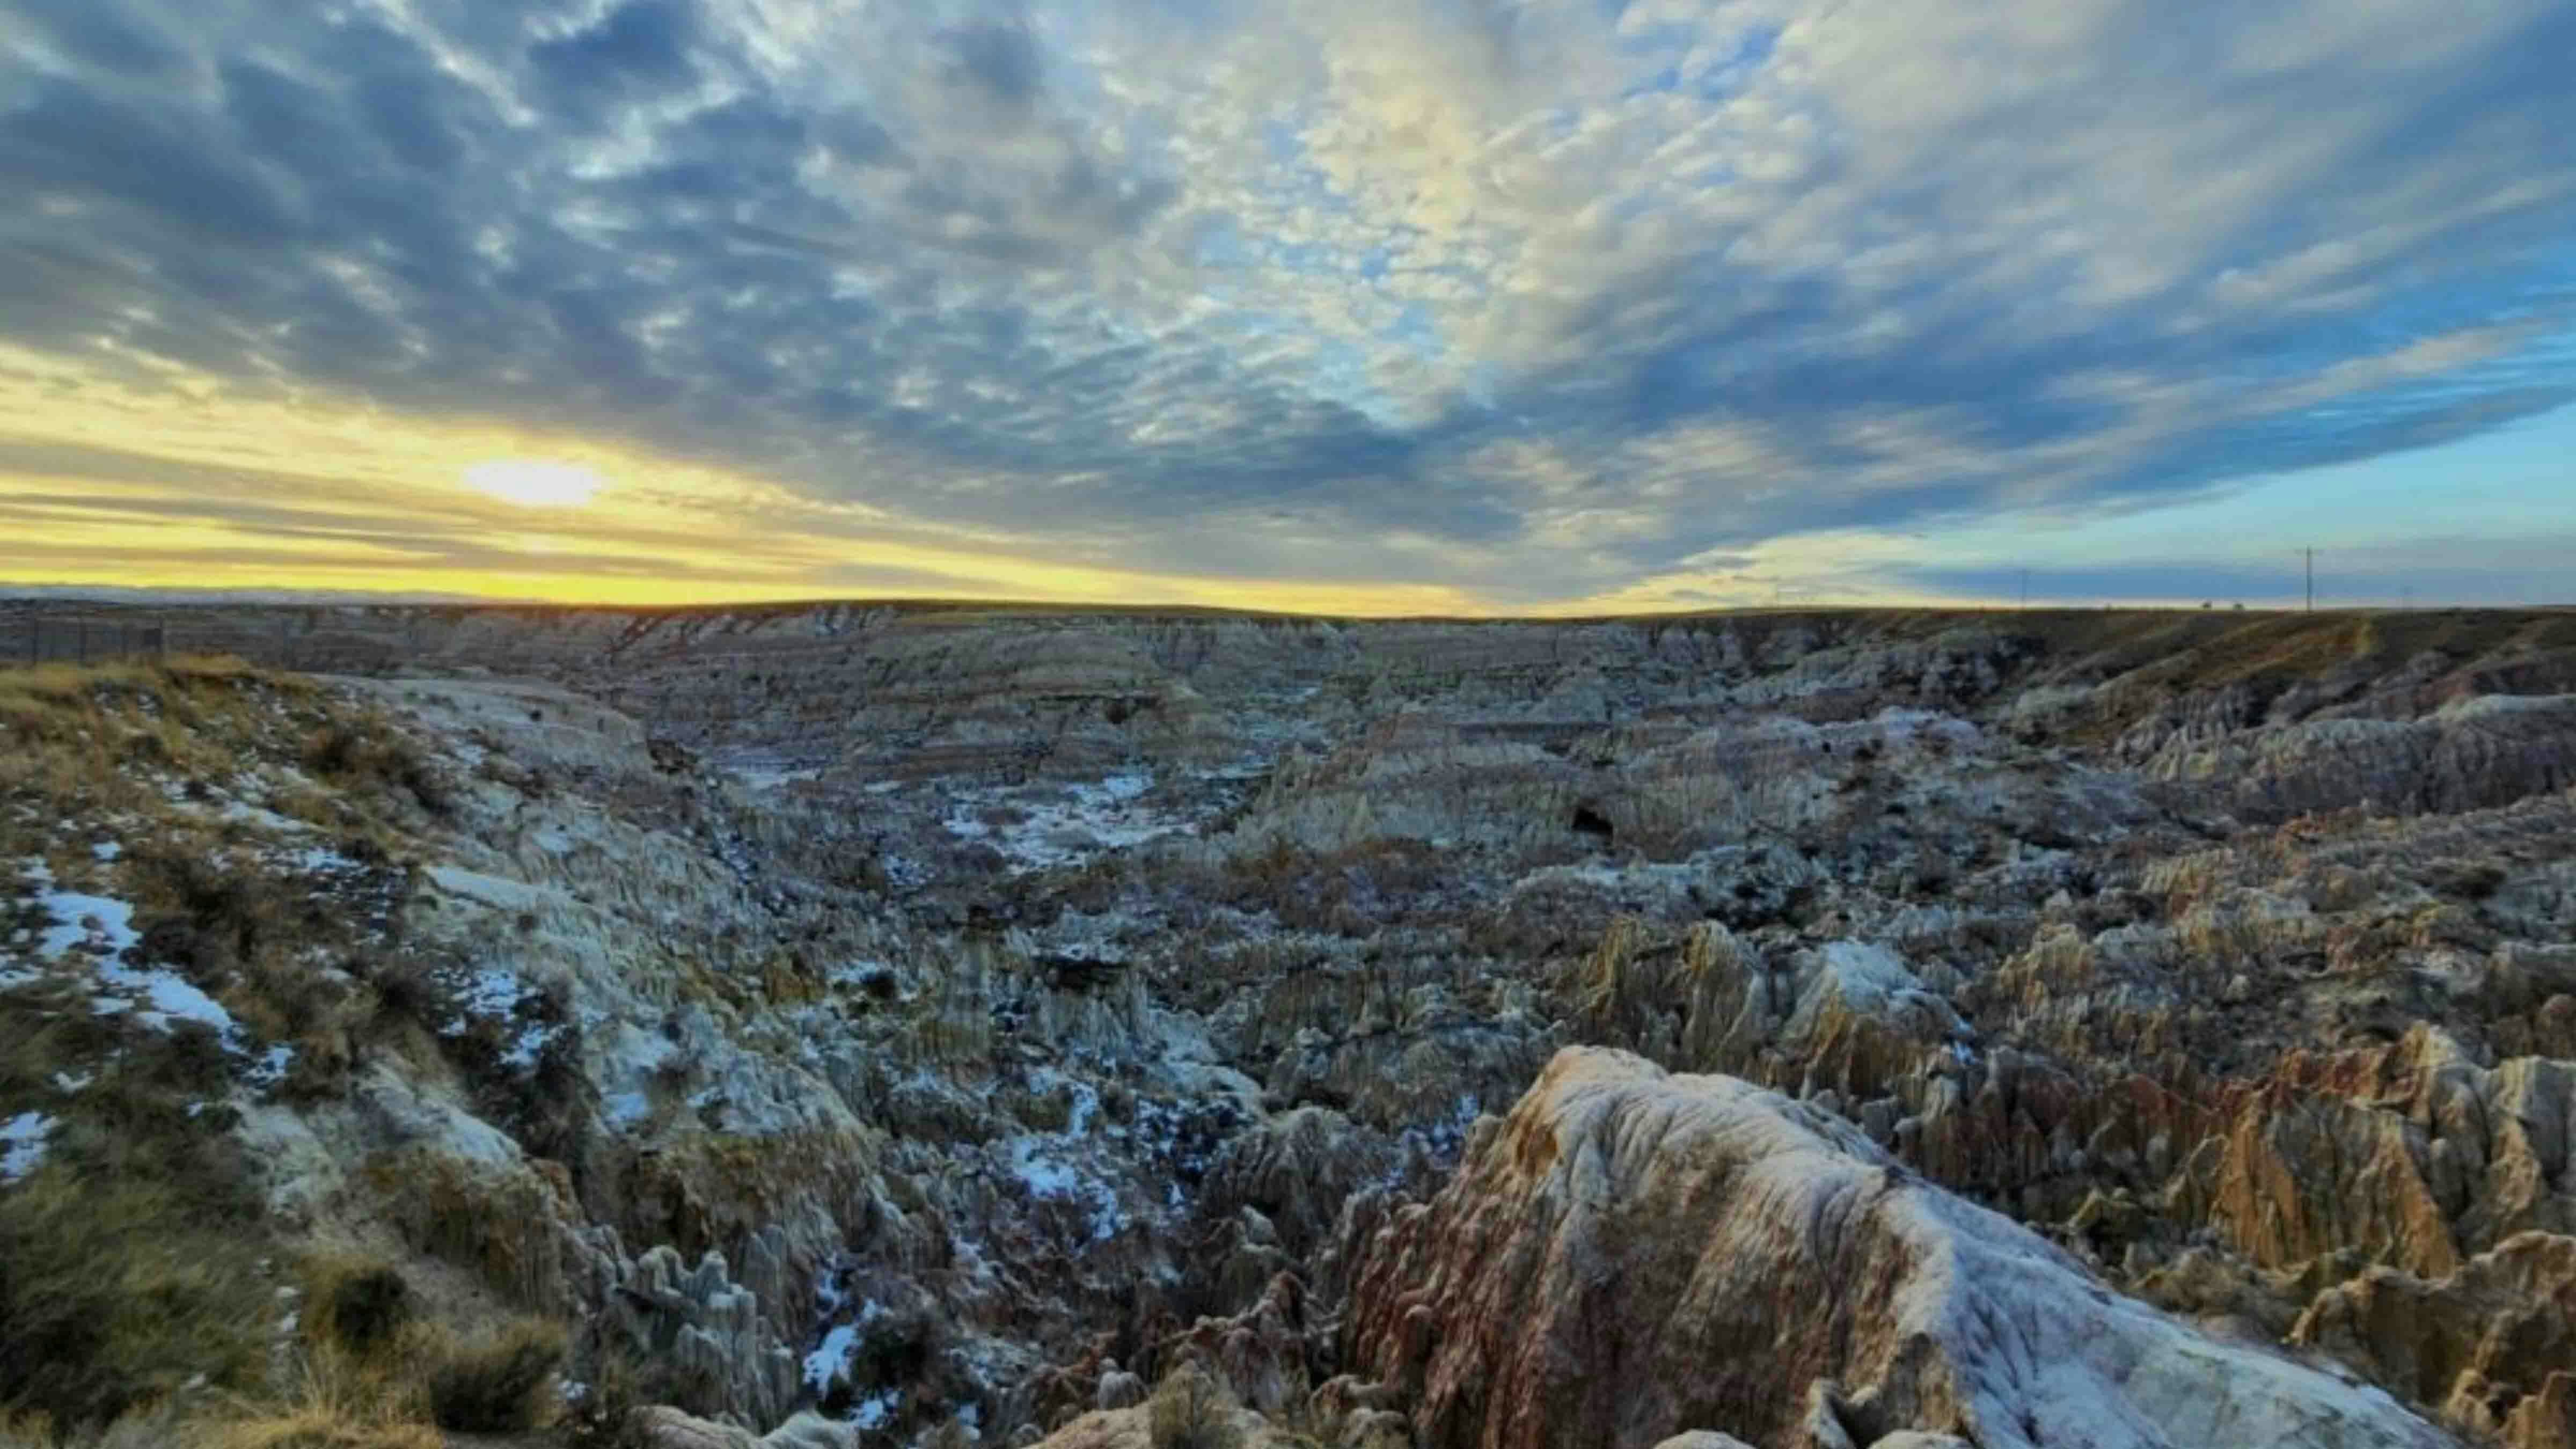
{"x":1354,"y":305}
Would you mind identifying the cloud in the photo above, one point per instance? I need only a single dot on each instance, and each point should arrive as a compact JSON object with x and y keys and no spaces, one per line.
{"x":999,"y":58}
{"x":639,"y":48}
{"x":1530,"y":300}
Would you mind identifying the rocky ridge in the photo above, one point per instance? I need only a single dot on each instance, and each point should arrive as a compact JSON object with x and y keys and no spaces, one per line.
{"x":1630,"y":1255}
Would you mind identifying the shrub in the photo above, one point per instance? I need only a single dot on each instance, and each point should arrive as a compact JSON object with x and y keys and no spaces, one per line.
{"x":1190,"y":1410}
{"x":369,"y":751}
{"x":358,"y":1306}
{"x":204,"y":916}
{"x":498,"y":1382}
{"x":115,"y":1293}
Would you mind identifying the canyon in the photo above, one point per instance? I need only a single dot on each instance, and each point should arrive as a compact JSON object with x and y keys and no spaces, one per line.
{"x":927,"y":1024}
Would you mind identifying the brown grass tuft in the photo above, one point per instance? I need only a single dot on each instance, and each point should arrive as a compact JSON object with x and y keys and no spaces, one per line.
{"x":368,"y":751}
{"x":1191,"y":1410}
{"x":116,"y":1290}
{"x":498,"y":1382}
{"x":355,"y":1305}
{"x":338,"y":1404}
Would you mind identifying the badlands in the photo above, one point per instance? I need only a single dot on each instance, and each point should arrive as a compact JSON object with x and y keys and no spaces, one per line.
{"x":838,"y":1024}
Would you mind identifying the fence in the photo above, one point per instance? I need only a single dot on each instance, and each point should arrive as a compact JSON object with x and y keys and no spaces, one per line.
{"x":82,"y":641}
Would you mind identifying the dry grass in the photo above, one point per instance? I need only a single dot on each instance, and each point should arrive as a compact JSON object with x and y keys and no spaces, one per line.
{"x":90,"y":736}
{"x":152,"y":1428}
{"x":1191,"y":1410}
{"x":247,"y":936}
{"x":500,"y":1229}
{"x":154,"y":746}
{"x":362,"y":750}
{"x":373,"y":1376}
{"x":128,"y":1258}
{"x":500,"y":1381}
{"x":159,"y":758}
{"x":355,"y":1305}
{"x":337,"y":1404}
{"x":117,"y":1289}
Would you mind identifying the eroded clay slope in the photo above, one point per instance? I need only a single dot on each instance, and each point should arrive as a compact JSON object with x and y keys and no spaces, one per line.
{"x":1631,"y":1255}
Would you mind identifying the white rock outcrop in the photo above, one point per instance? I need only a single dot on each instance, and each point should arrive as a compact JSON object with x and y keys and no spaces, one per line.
{"x":1632,"y":1252}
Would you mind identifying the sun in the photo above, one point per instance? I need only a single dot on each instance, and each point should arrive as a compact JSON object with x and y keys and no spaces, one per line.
{"x":535,"y":482}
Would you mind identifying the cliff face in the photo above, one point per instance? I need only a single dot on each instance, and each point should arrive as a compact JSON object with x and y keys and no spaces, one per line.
{"x":932,"y":1016}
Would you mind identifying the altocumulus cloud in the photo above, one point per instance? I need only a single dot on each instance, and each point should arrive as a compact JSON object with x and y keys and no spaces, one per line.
{"x":1536,"y":299}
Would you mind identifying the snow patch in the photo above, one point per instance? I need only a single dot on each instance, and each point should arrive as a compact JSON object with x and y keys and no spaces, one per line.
{"x":74,"y":914}
{"x":22,"y":1144}
{"x":167,"y":999}
{"x":491,"y":991}
{"x":271,"y":1068}
{"x":832,"y":1359}
{"x":104,"y":928}
{"x":1035,"y":1162}
{"x":495,"y":993}
{"x":875,"y":1410}
{"x":1084,"y":820}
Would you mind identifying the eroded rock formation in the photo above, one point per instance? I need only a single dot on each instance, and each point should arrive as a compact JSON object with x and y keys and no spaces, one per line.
{"x":943,"y":1019}
{"x":1629,"y":1255}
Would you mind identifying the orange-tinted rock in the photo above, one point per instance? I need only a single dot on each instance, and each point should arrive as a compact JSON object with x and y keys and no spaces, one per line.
{"x":1631,"y":1254}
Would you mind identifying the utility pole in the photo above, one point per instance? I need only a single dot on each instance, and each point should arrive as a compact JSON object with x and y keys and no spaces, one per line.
{"x":2312,"y":578}
{"x":2025,"y":588}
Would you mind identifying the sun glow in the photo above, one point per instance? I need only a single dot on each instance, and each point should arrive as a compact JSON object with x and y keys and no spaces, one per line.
{"x":534,"y":483}
{"x":340,"y":495}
